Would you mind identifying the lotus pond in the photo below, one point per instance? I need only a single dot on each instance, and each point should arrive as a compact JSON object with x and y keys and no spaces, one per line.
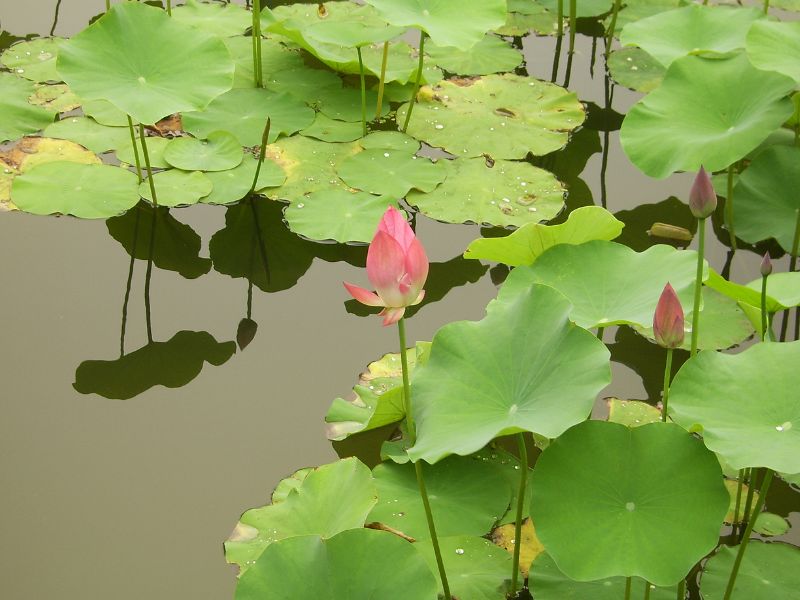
{"x":581,"y":221}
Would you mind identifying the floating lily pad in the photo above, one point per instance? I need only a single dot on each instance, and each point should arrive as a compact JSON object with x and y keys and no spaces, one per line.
{"x":553,"y":373}
{"x":175,"y":67}
{"x":88,"y":191}
{"x":173,"y":364}
{"x":692,"y":29}
{"x":57,"y":98}
{"x":220,"y":151}
{"x":332,"y":498}
{"x":30,"y":152}
{"x":507,"y":194}
{"x":360,"y":564}
{"x":390,"y":140}
{"x":156,"y":146}
{"x":585,"y":8}
{"x":713,"y":393}
{"x":504,"y":116}
{"x":504,"y":536}
{"x":303,"y":83}
{"x":649,"y":501}
{"x":244,"y":112}
{"x":233,"y":185}
{"x":716,"y":132}
{"x":275,"y":57}
{"x":632,"y":413}
{"x":775,"y":46}
{"x":391,"y":172}
{"x":177,"y":188}
{"x":359,"y":26}
{"x":87,"y":132}
{"x":466,"y":496}
{"x":769,"y":524}
{"x":34,"y":59}
{"x":524,"y":246}
{"x":344,"y":103}
{"x":767,"y":572}
{"x":490,"y":55}
{"x":223,"y":20}
{"x":17,"y":116}
{"x":331,"y":130}
{"x":635,"y":10}
{"x":524,"y":17}
{"x":635,"y":69}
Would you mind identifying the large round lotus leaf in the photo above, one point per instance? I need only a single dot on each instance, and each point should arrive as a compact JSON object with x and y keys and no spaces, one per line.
{"x":768,"y":572}
{"x":467,"y":497}
{"x":504,"y":116}
{"x":551,"y":373}
{"x":476,"y":569}
{"x":608,"y":283}
{"x":219,"y":152}
{"x":585,"y":8}
{"x":30,"y":152}
{"x":390,"y":172}
{"x":244,"y":112}
{"x":223,"y":20}
{"x":177,"y":188}
{"x":89,"y":133}
{"x":326,"y":129}
{"x":275,"y":57}
{"x":670,"y":35}
{"x":529,"y":242}
{"x":173,"y":364}
{"x":175,"y":67}
{"x":105,"y":113}
{"x":766,"y":197}
{"x":18,"y":117}
{"x":716,"y":394}
{"x":232,"y":185}
{"x":635,"y":10}
{"x":331,"y":498}
{"x":86,"y":191}
{"x":350,"y":27}
{"x":490,"y":55}
{"x":448,"y":22}
{"x":57,"y":97}
{"x":635,"y":69}
{"x":509,"y":193}
{"x":716,"y":132}
{"x":775,"y":46}
{"x":337,"y":215}
{"x":551,"y":584}
{"x":34,"y":59}
{"x":361,"y":564}
{"x":156,"y":146}
{"x":648,"y":500}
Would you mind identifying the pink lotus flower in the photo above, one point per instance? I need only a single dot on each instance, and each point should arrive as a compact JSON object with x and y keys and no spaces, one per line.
{"x":668,"y":320}
{"x":702,"y":197}
{"x":396,"y":266}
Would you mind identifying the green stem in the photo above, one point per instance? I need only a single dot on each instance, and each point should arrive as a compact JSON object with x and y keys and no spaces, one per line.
{"x":748,"y":503}
{"x":523,"y":481}
{"x":559,"y":39}
{"x":573,"y":21}
{"x":560,"y":20}
{"x":256,"y":34}
{"x":764,"y":315}
{"x":698,"y":283}
{"x":795,"y":241}
{"x":600,"y":331}
{"x":612,"y":27}
{"x":412,"y":432}
{"x":682,"y":590}
{"x":148,"y":316}
{"x":737,"y":506}
{"x":382,"y":82}
{"x":147,"y":165}
{"x":729,"y":209}
{"x":108,"y":5}
{"x":261,"y":154}
{"x":745,"y":540}
{"x":627,"y":588}
{"x":135,"y":149}
{"x":667,"y":378}
{"x":169,"y":7}
{"x":646,"y":590}
{"x":766,"y":6}
{"x":363,"y":92}
{"x":417,"y":81}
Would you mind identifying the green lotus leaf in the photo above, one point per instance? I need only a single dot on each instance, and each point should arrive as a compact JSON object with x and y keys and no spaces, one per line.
{"x":524,"y":246}
{"x":89,"y":133}
{"x":551,"y":584}
{"x":326,"y":129}
{"x":57,"y":97}
{"x":391,"y":172}
{"x":716,"y":132}
{"x":177,"y":188}
{"x":223,"y":20}
{"x":766,"y":205}
{"x":359,"y":26}
{"x":649,"y":500}
{"x":767,"y":572}
{"x":490,"y":55}
{"x":585,"y":8}
{"x":635,"y":69}
{"x":275,"y":57}
{"x":608,"y":283}
{"x":783,"y":291}
{"x":304,"y":83}
{"x":447,"y":22}
{"x":467,"y":497}
{"x":176,"y":246}
{"x":173,"y":364}
{"x":632,"y":413}
{"x":331,"y":498}
{"x":524,"y":17}
{"x":775,"y":46}
{"x":475,"y":567}
{"x":635,"y":10}
{"x":7,"y":174}
{"x":713,"y":393}
{"x":219,"y":152}
{"x":34,"y":59}
{"x":344,"y":103}
{"x":30,"y":152}
{"x":390,"y":140}
{"x":360,"y":564}
{"x":551,"y":373}
{"x":504,"y":116}
{"x":175,"y":67}
{"x":105,"y":113}
{"x":289,"y":484}
{"x":17,"y":116}
{"x":508,"y":193}
{"x":87,"y":191}
{"x":156,"y":146}
{"x":234,"y":184}
{"x":769,"y":524}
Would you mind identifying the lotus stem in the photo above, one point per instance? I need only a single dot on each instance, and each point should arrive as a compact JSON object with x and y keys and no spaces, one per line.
{"x":646,"y":590}
{"x":523,"y":481}
{"x":698,"y":283}
{"x":745,"y":540}
{"x":765,"y":321}
{"x":748,"y":503}
{"x":737,"y":505}
{"x":682,"y":589}
{"x":256,"y":34}
{"x":412,"y":433}
{"x":573,"y":21}
{"x":135,"y":149}
{"x":147,"y":164}
{"x":667,"y":379}
{"x":627,"y":588}
{"x":148,"y":277}
{"x":795,"y":241}
{"x":600,"y":331}
{"x":363,"y":92}
{"x":261,"y":155}
{"x":417,"y":81}
{"x":559,"y":40}
{"x":382,"y":82}
{"x":613,"y":27}
{"x":729,"y":208}
{"x":169,"y":7}
{"x":766,"y":7}
{"x":129,"y":283}
{"x":108,"y":5}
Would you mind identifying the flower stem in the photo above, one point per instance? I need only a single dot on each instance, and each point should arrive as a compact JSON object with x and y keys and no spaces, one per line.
{"x":108,"y":5}
{"x":147,"y":164}
{"x":766,"y":6}
{"x":748,"y":503}
{"x":382,"y":82}
{"x":412,"y":431}
{"x":698,"y":283}
{"x":737,"y":506}
{"x":795,"y":242}
{"x":256,"y":34}
{"x":573,"y":21}
{"x":729,"y":209}
{"x":559,"y":40}
{"x":261,"y":154}
{"x":135,"y":149}
{"x":745,"y":540}
{"x":682,"y":590}
{"x":646,"y":590}
{"x":764,"y":315}
{"x":169,"y":7}
{"x":612,"y":27}
{"x":523,"y":481}
{"x":627,"y":588}
{"x":667,"y":378}
{"x":417,"y":81}
{"x":363,"y":92}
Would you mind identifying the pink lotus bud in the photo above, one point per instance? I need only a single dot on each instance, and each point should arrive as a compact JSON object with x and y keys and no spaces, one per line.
{"x":396,"y":266}
{"x":668,"y":320}
{"x":702,"y":197}
{"x":766,"y":265}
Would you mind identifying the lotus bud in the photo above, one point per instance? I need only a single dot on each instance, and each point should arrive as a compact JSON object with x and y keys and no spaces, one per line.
{"x":766,"y":265}
{"x":246,"y":332}
{"x":702,"y":197}
{"x":668,"y":320}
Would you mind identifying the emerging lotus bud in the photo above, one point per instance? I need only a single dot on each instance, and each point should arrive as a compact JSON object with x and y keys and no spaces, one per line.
{"x":396,"y":266}
{"x":246,"y":332}
{"x":702,"y":198}
{"x":668,"y":320}
{"x":766,"y":265}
